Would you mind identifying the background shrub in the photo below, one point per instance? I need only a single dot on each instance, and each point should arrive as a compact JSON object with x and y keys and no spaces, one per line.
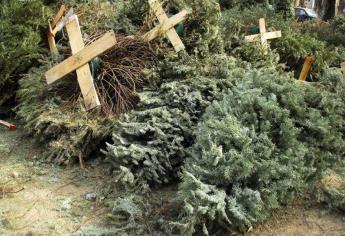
{"x":22,"y":23}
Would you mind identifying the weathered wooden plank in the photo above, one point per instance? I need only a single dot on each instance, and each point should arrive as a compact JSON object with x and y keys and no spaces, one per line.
{"x":273,"y":35}
{"x":81,"y":58}
{"x":58,"y":15}
{"x":268,"y":35}
{"x":264,"y":43}
{"x":163,"y":18}
{"x":172,"y":21}
{"x":64,"y":21}
{"x":84,"y":75}
{"x":306,"y":68}
{"x":262,"y":25}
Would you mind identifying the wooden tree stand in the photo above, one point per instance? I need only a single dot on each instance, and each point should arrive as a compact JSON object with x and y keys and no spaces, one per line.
{"x":166,"y":25}
{"x":263,"y":36}
{"x":81,"y":56}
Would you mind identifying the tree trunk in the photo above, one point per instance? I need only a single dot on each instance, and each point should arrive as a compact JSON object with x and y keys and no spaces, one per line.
{"x":296,"y":3}
{"x":326,"y":8}
{"x":336,"y":7}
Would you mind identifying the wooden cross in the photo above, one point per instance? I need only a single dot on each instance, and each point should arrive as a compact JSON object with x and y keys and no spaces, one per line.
{"x":264,"y":36}
{"x":166,"y":25}
{"x":79,"y":61}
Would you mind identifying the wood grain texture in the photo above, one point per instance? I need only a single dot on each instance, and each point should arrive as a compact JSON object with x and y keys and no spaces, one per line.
{"x":268,"y":35}
{"x":84,"y":75}
{"x":264,"y":43}
{"x":273,"y":35}
{"x":306,"y":68}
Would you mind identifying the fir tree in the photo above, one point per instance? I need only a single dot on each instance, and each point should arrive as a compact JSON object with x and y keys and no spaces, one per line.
{"x":268,"y":140}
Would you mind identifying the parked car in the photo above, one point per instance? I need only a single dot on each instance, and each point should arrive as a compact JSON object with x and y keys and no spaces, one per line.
{"x":304,"y":14}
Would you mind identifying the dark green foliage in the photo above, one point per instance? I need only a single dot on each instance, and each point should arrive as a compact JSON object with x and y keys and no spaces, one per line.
{"x":295,"y":46}
{"x":284,"y":6}
{"x":233,"y":3}
{"x":333,"y":80}
{"x":149,"y":144}
{"x":323,"y":31}
{"x":20,"y":41}
{"x":73,"y":132}
{"x":130,"y":15}
{"x":54,"y":114}
{"x":268,"y":140}
{"x":338,"y":24}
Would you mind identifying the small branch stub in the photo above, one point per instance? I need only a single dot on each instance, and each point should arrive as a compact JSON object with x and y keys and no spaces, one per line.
{"x":10,"y":126}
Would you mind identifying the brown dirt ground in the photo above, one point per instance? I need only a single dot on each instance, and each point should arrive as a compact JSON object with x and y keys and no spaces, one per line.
{"x":41,"y":199}
{"x":303,"y":220}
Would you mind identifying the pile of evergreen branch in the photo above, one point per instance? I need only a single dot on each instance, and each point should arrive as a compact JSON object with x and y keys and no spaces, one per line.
{"x":268,"y":140}
{"x":65,"y":127}
{"x":55,"y":114}
{"x":150,"y":143}
{"x":248,"y":139}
